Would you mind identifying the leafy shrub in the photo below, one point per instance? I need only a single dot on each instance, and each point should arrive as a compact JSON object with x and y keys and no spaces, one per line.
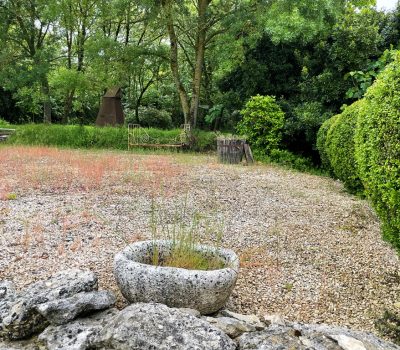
{"x":378,"y":148}
{"x":262,"y":123}
{"x":321,"y":144}
{"x":339,"y":146}
{"x":4,"y":123}
{"x":154,"y":118}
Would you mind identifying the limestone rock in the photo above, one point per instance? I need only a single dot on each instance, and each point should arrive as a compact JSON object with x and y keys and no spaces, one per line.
{"x":230,"y":326}
{"x":61,"y":311}
{"x":348,"y":343}
{"x":250,"y":320}
{"x":311,"y":337}
{"x":273,"y":319}
{"x":189,"y":311}
{"x":20,"y":318}
{"x":155,"y":326}
{"x":19,"y":345}
{"x":77,"y":335}
{"x":7,"y":290}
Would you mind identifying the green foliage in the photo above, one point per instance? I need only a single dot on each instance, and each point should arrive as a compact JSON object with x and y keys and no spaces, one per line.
{"x":74,"y":136}
{"x":389,"y":326}
{"x":4,"y":123}
{"x":290,"y":160}
{"x":321,"y":143}
{"x":306,"y":119}
{"x":340,"y":148}
{"x":154,"y":118}
{"x":262,"y":123}
{"x":362,"y":80}
{"x":378,"y":148}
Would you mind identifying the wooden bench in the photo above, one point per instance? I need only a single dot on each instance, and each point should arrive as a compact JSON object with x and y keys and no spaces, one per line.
{"x":5,"y":134}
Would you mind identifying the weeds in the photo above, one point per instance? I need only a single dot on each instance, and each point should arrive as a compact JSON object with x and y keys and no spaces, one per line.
{"x":184,"y":229}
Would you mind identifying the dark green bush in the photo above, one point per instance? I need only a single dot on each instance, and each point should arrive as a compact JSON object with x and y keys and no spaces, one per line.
{"x":262,"y":123}
{"x":378,"y":148}
{"x":339,"y":147}
{"x":95,"y":137}
{"x":321,"y":144}
{"x":154,"y":118}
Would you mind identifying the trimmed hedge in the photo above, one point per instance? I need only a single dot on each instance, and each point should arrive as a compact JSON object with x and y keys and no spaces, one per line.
{"x":262,"y":123}
{"x":74,"y":136}
{"x":378,"y":148}
{"x":321,"y":143}
{"x":340,"y":147}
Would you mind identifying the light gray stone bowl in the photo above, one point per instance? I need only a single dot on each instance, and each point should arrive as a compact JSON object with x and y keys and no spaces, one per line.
{"x":205,"y":291}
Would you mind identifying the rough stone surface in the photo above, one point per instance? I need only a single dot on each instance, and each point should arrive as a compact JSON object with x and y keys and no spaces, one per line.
{"x":192,"y":312}
{"x":273,"y":319}
{"x":156,"y":326}
{"x":7,"y":290}
{"x":229,"y":325}
{"x":311,"y":337}
{"x":61,"y":311}
{"x":19,"y":317}
{"x":19,"y":345}
{"x":250,"y":320}
{"x":77,"y":335}
{"x":205,"y":291}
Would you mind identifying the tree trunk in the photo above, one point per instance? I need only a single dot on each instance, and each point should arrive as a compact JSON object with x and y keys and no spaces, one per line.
{"x":167,"y":5}
{"x":46,"y":103}
{"x":199,"y":60}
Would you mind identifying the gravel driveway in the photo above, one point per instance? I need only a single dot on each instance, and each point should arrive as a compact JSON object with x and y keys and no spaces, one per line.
{"x":308,"y":250}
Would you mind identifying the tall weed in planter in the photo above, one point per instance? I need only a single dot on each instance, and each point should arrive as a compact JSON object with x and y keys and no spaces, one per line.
{"x":262,"y":123}
{"x":378,"y":149}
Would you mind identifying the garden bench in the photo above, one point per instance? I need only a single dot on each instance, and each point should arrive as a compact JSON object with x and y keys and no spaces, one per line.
{"x":5,"y":133}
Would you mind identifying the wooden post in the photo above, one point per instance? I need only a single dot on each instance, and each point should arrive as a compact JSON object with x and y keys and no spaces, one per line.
{"x":230,"y":150}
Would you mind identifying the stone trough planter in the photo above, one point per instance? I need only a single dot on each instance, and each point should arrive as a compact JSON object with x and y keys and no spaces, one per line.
{"x":205,"y":291}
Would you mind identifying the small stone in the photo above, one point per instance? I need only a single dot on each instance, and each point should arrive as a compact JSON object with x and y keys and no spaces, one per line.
{"x":348,"y":343}
{"x":273,"y":319}
{"x":250,"y":320}
{"x":189,"y":311}
{"x":230,"y":326}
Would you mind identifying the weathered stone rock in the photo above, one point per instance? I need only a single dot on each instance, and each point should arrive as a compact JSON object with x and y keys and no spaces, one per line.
{"x":19,"y":345}
{"x":61,"y":311}
{"x":229,"y":325}
{"x":273,"y":319}
{"x":192,"y":312}
{"x":368,"y":340}
{"x":205,"y":291}
{"x":77,"y":335}
{"x":311,"y":337}
{"x":156,"y":326}
{"x":250,"y":320}
{"x":348,"y":343}
{"x":7,"y":290}
{"x":21,"y":318}
{"x":272,"y":338}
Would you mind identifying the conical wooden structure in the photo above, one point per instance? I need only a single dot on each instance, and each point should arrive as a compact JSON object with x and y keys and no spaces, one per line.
{"x":111,"y":112}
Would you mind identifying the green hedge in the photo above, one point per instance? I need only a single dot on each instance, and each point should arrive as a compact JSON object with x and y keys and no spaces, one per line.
{"x":340,"y":147}
{"x":321,"y":144}
{"x":378,"y":149}
{"x":98,"y":137}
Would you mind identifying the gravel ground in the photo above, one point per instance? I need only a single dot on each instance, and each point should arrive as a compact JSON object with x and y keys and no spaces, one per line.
{"x":308,"y":250}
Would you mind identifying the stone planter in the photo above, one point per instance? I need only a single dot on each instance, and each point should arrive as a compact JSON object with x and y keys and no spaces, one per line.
{"x":205,"y":291}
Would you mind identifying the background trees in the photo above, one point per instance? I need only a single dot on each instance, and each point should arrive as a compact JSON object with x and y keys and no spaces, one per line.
{"x":192,"y":61}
